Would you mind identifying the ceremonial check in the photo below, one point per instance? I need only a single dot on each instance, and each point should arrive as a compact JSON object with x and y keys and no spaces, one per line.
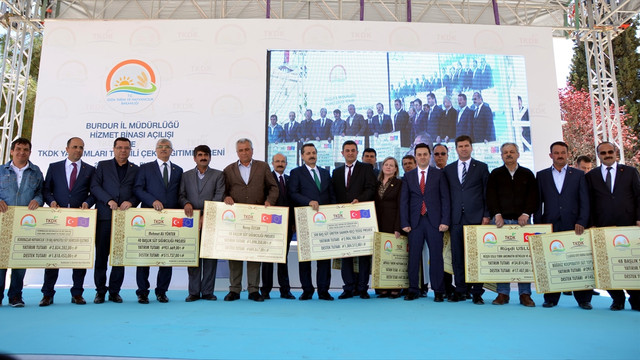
{"x":390,"y":262}
{"x":447,"y":256}
{"x":47,"y":238}
{"x":499,"y":255}
{"x":616,"y":257}
{"x":562,"y":261}
{"x":335,"y":231}
{"x":146,"y":237}
{"x":244,"y":232}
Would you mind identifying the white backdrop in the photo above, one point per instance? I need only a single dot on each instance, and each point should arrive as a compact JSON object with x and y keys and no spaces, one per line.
{"x":210,"y":79}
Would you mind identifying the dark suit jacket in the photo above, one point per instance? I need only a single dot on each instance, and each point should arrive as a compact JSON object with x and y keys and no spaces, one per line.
{"x":382,"y":127}
{"x":465,"y":125}
{"x":337,"y":128}
{"x":436,"y":197}
{"x":358,"y":126}
{"x":285,"y":200}
{"x":106,"y":186}
{"x":620,"y":208}
{"x":303,"y":189}
{"x":212,"y":188}
{"x":261,"y":187}
{"x":291,"y":132}
{"x":566,"y":209}
{"x":149,"y":186}
{"x":305,"y":130}
{"x":362,"y":185}
{"x":483,"y":127}
{"x":468,"y":202}
{"x":56,"y":188}
{"x":434,"y":119}
{"x":448,"y":124}
{"x":419,"y":125}
{"x":388,"y":206}
{"x":323,"y":133}
{"x":401,"y":120}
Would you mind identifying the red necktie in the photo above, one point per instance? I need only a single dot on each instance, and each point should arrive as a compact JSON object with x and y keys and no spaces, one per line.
{"x":349,"y":176}
{"x":423,"y":210}
{"x":74,"y":175}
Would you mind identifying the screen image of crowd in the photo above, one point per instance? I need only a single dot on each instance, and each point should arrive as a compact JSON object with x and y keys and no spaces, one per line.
{"x":391,"y":108}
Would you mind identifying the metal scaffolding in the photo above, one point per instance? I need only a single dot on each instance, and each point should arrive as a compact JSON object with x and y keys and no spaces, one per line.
{"x":597,"y":22}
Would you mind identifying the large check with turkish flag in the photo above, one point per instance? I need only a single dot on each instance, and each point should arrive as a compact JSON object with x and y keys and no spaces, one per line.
{"x":147,"y":237}
{"x":47,"y":238}
{"x":244,"y":232}
{"x":336,"y":231}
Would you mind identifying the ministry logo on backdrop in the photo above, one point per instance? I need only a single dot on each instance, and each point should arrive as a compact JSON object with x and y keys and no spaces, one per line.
{"x":131,"y":86}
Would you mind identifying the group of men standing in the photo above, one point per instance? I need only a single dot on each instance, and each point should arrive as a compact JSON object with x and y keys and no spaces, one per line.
{"x":433,"y":200}
{"x":431,"y":121}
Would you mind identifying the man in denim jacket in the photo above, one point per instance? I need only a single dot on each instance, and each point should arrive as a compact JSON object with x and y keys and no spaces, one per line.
{"x":20,"y":185}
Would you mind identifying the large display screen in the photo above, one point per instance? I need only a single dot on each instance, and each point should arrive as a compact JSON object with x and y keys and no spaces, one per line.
{"x":390,"y":101}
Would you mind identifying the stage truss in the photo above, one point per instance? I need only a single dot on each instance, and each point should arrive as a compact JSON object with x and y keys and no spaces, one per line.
{"x":596,"y":22}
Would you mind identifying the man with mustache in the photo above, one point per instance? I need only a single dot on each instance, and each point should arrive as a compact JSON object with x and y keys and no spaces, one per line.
{"x":310,"y":185}
{"x":197,"y":186}
{"x":564,"y":202}
{"x":614,"y":191}
{"x":512,"y":197}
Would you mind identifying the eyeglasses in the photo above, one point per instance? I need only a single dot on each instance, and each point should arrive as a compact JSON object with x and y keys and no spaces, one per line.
{"x":439,"y":154}
{"x":610,"y":152}
{"x":163,"y":147}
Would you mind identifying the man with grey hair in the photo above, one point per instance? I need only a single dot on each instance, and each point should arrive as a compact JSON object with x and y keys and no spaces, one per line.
{"x":512,"y":197}
{"x":247,"y":181}
{"x":157,"y":185}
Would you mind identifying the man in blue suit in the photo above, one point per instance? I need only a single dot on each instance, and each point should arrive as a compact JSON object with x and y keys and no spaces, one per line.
{"x":291,"y":129}
{"x":310,"y":185}
{"x":464,"y":124}
{"x":382,"y":122}
{"x":467,"y":179}
{"x":425,"y":215}
{"x":322,"y":126}
{"x":112,"y":186}
{"x":67,"y":185}
{"x":564,"y":202}
{"x":157,"y":185}
{"x":483,"y":126}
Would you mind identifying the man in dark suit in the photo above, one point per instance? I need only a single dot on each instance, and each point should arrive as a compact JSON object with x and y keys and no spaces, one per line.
{"x":355,"y":123}
{"x":425,"y":215}
{"x":21,"y":186}
{"x":275,"y":131}
{"x":370,"y":156}
{"x":354,"y":182}
{"x":157,"y":185}
{"x":467,"y":179}
{"x":305,"y":131}
{"x":614,"y":192}
{"x":197,"y":186}
{"x":464,"y":124}
{"x":382,"y":120}
{"x":322,"y":126}
{"x":564,"y":203}
{"x":483,"y":127}
{"x":310,"y":185}
{"x":512,"y":197}
{"x":279,"y":163}
{"x":247,"y":181}
{"x":291,"y":129}
{"x":67,"y":185}
{"x":112,"y":187}
{"x":401,"y":123}
{"x":420,"y":119}
{"x":447,"y":128}
{"x":434,"y":118}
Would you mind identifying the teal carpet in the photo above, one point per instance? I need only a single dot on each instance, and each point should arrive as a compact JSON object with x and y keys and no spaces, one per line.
{"x":342,"y":329}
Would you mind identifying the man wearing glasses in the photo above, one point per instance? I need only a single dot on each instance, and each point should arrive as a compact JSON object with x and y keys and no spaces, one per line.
{"x":614,"y":191}
{"x":157,"y":185}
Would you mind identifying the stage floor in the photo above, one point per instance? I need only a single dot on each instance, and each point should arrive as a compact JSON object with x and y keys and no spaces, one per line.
{"x":315,"y":329}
